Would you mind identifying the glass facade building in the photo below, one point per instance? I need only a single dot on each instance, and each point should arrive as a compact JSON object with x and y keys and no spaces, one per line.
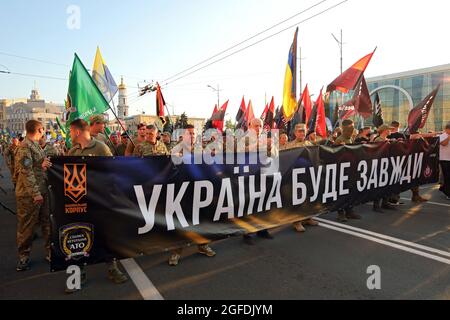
{"x":417,"y":84}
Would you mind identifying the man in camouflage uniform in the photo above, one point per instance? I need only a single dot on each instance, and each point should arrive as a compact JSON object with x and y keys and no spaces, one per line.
{"x":151,"y":146}
{"x":31,"y":193}
{"x":300,"y":138}
{"x":9,"y":156}
{"x":122,"y":145}
{"x":284,"y":141}
{"x":251,"y":143}
{"x":114,"y":144}
{"x":346,"y":137}
{"x":300,"y":142}
{"x":166,"y":138}
{"x":87,"y":146}
{"x":84,"y":144}
{"x":142,"y":132}
{"x":97,"y":128}
{"x":49,"y":150}
{"x":190,"y":139}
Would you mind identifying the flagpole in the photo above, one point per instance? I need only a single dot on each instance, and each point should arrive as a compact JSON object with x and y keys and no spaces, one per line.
{"x":121,"y":125}
{"x":109,"y":139}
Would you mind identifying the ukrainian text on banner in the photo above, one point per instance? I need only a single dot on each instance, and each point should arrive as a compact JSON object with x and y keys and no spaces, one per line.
{"x":125,"y":207}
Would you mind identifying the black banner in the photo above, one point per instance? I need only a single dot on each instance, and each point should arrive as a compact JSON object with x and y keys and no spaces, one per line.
{"x":126,"y":207}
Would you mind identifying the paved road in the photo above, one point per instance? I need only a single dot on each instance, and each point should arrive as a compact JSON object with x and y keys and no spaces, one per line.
{"x":411,"y":247}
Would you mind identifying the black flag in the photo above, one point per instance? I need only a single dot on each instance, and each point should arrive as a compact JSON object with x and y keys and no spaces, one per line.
{"x":377,"y":112}
{"x":418,"y":116}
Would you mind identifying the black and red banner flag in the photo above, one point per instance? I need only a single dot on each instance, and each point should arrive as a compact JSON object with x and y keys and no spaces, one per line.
{"x":418,"y":116}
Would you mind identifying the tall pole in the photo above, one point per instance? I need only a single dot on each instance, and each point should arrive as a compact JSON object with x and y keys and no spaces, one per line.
{"x":300,"y":69}
{"x":218,"y":97}
{"x":342,"y":45}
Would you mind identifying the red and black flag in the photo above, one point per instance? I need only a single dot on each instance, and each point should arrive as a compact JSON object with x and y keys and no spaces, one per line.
{"x":377,"y":112}
{"x":307,"y":105}
{"x":418,"y":116}
{"x":209,"y":123}
{"x":321,"y":122}
{"x":248,"y":116}
{"x":361,"y":99}
{"x":160,"y":104}
{"x":312,"y":121}
{"x":347,"y":110}
{"x":218,"y":117}
{"x":280,"y":120}
{"x":359,"y":104}
{"x":264,"y":114}
{"x":270,"y":115}
{"x":349,"y":79}
{"x":240,"y":115}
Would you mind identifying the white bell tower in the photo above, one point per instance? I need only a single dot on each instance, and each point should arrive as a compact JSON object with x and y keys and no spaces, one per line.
{"x":122,"y":107}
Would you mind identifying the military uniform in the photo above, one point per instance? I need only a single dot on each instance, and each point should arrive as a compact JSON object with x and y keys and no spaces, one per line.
{"x":9,"y":155}
{"x":121,"y":149}
{"x":31,"y":183}
{"x":344,"y":140}
{"x":130,"y":146}
{"x":101,"y":137}
{"x":346,"y":137}
{"x":146,"y":149}
{"x":298,"y":144}
{"x":95,"y":148}
{"x":50,"y":151}
{"x":347,"y":211}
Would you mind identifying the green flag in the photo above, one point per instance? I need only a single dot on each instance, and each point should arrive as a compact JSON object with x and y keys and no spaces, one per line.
{"x":84,"y":99}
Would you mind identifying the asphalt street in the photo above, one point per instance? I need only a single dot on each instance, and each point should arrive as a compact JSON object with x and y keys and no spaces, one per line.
{"x":411,"y":247}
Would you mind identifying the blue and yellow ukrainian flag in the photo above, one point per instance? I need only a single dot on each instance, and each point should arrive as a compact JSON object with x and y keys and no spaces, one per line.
{"x":290,"y":82}
{"x":103,"y":78}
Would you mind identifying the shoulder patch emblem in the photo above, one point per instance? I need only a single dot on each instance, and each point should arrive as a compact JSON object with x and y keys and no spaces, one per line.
{"x":26,"y":162}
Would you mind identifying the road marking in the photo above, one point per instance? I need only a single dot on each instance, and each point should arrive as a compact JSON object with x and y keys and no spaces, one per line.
{"x":429,"y":202}
{"x":146,"y":288}
{"x":385,"y":237}
{"x":386,"y":243}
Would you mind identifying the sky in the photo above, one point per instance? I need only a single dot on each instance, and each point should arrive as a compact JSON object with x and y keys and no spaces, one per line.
{"x":155,"y":39}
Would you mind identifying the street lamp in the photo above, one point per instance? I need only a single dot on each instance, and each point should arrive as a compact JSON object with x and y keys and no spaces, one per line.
{"x":341,"y":46}
{"x":218,"y":94}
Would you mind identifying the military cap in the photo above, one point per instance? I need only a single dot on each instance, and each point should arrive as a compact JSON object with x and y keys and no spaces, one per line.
{"x":97,"y":118}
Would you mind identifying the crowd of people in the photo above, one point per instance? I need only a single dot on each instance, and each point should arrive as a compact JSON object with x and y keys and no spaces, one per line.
{"x":28,"y":158}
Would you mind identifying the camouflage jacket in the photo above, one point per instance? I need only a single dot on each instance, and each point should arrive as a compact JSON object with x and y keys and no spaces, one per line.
{"x":298,"y":144}
{"x":50,"y":151}
{"x":146,"y":149}
{"x":343,"y":140}
{"x":9,"y":155}
{"x":95,"y":148}
{"x":30,"y":177}
{"x":130,"y":146}
{"x":101,"y":137}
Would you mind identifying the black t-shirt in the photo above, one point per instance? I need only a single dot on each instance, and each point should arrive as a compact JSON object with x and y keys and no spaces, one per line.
{"x":398,"y":136}
{"x":360,"y":140}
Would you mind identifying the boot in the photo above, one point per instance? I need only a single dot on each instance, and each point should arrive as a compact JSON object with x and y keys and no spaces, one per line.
{"x":416,"y":196}
{"x":341,"y":216}
{"x":386,"y":205}
{"x":298,"y":226}
{"x":115,"y":275}
{"x":350,"y":214}
{"x":377,"y":207}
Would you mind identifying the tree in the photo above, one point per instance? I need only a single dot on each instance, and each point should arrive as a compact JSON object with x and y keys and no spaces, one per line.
{"x":229,"y":124}
{"x":182,"y":122}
